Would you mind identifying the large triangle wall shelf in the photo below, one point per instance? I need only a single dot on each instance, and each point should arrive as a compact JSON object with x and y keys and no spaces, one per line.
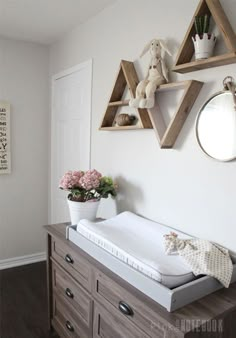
{"x":150,"y":118}
{"x":167,"y":135}
{"x":183,"y":61}
{"x":126,"y":76}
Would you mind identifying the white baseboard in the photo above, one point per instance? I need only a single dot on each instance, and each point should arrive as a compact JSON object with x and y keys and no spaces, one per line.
{"x":22,"y":260}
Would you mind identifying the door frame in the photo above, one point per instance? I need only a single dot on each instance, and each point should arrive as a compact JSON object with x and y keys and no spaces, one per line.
{"x":61,"y":74}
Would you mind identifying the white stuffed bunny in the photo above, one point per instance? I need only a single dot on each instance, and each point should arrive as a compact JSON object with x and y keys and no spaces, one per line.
{"x":157,"y":75}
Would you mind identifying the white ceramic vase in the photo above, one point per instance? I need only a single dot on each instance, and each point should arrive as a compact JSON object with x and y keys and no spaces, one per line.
{"x":82,"y":210}
{"x":204,"y":45}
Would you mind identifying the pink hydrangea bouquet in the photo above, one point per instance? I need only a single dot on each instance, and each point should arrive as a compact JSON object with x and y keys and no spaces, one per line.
{"x":87,"y":185}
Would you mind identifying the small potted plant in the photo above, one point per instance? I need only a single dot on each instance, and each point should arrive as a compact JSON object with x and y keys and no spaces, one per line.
{"x":86,"y":190}
{"x":203,"y":41}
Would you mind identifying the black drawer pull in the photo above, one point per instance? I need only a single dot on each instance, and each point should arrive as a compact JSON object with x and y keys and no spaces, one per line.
{"x":69,"y":326}
{"x":125,"y":309}
{"x":69,"y":259}
{"x":69,"y":293}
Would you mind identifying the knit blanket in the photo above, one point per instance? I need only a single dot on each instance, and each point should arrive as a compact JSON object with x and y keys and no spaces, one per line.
{"x":203,"y":257}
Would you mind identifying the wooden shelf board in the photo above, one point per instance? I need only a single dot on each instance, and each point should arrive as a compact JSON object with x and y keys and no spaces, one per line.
{"x":214,"y":61}
{"x":172,"y":85}
{"x":121,"y":128}
{"x":119,"y":103}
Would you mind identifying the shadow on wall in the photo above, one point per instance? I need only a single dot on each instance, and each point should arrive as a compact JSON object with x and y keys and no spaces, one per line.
{"x":126,"y":192}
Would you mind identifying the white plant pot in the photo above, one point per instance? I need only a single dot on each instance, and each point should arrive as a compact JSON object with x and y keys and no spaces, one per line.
{"x":82,"y":210}
{"x":203,"y":46}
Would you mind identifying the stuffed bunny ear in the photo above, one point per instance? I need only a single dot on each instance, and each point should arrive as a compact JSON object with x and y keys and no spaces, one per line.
{"x":164,"y":46}
{"x":146,"y":48}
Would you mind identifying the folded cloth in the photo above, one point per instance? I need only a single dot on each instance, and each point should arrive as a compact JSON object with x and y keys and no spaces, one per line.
{"x":202,"y":256}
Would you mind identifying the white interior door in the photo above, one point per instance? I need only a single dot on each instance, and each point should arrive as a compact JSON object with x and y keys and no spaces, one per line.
{"x":70,"y":131}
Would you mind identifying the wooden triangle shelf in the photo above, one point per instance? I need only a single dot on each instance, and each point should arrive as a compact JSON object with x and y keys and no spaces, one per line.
{"x":167,"y":135}
{"x":126,"y":76}
{"x":186,"y":51}
{"x":150,"y":118}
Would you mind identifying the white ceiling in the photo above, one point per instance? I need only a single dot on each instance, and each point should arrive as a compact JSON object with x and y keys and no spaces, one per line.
{"x":45,"y":21}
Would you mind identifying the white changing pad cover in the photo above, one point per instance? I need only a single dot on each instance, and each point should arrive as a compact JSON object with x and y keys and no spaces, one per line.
{"x":139,"y":243}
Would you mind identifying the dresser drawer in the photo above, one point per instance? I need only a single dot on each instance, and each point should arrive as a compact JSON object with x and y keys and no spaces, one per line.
{"x":66,"y":321}
{"x":110,"y":294}
{"x":73,"y":263}
{"x":109,"y":325}
{"x":72,"y":293}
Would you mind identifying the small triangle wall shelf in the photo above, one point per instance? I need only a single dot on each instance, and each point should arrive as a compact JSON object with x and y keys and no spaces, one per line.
{"x":167,"y":135}
{"x":186,"y":51}
{"x":126,"y":76}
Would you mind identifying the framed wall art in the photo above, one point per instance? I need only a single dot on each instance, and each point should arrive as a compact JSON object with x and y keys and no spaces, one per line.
{"x":5,"y":151}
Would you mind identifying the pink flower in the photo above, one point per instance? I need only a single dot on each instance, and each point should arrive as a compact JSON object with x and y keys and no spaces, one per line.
{"x":87,"y":186}
{"x":90,"y":180}
{"x":71,"y":180}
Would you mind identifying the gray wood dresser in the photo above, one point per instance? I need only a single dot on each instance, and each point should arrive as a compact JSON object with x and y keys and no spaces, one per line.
{"x":87,"y":300}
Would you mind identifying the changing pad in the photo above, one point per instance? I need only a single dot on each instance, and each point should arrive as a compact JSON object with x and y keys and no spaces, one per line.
{"x":139,"y":243}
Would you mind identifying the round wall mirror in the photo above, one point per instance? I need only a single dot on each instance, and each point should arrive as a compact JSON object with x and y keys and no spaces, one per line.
{"x":216,"y":127}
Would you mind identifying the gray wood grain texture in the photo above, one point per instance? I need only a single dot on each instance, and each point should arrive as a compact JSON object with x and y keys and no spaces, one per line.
{"x":73,"y":294}
{"x":109,"y":324}
{"x":69,"y":320}
{"x":79,"y":268}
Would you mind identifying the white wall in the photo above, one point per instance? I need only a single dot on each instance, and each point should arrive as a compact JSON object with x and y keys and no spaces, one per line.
{"x":23,"y":193}
{"x":182,"y":187}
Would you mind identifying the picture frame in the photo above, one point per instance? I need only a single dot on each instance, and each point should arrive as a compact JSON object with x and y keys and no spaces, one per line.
{"x":5,"y":146}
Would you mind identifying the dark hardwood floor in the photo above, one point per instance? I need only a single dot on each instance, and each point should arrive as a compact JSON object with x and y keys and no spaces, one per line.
{"x":23,"y":302}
